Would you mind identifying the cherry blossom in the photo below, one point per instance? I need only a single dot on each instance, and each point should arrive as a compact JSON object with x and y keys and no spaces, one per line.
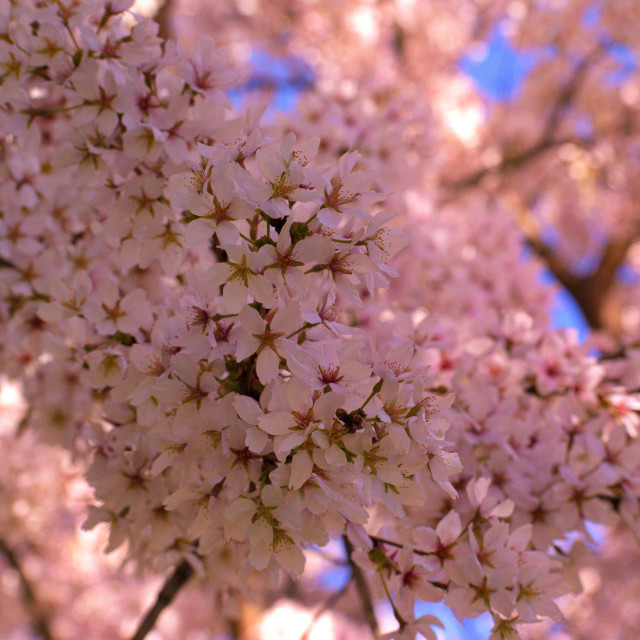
{"x":202,"y":307}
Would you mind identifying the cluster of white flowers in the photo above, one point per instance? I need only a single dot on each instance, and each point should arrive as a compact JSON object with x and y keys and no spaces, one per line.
{"x":183,"y":299}
{"x":172,"y":281}
{"x":547,"y":434}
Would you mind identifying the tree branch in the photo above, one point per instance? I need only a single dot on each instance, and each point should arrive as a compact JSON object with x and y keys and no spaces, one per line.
{"x":163,"y":18}
{"x":39,"y":620}
{"x":547,"y":139}
{"x":569,"y":91}
{"x":173,"y":584}
{"x":363,"y":589}
{"x":508,"y":162}
{"x":531,"y":231}
{"x":591,"y":292}
{"x":611,"y":260}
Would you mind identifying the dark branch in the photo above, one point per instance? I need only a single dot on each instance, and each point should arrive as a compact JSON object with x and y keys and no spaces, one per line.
{"x":611,"y":260}
{"x":399,"y":545}
{"x":363,"y":589}
{"x":591,"y":292}
{"x":39,"y":620}
{"x":7,"y":264}
{"x":529,"y":226}
{"x":163,"y":18}
{"x":174,"y":583}
{"x":569,"y":91}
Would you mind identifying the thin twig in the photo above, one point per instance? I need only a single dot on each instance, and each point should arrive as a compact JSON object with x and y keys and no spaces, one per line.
{"x":629,"y":527}
{"x":570,"y":90}
{"x":173,"y":584}
{"x":399,"y":545}
{"x":325,"y":607}
{"x":39,"y":620}
{"x":363,"y":589}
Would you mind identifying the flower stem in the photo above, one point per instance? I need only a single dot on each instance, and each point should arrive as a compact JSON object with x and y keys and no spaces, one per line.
{"x":307,"y":325}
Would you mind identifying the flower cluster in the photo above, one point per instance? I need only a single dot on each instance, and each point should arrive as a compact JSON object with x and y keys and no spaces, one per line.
{"x":173,"y":280}
{"x":562,"y":155}
{"x":195,"y":303}
{"x":547,"y":435}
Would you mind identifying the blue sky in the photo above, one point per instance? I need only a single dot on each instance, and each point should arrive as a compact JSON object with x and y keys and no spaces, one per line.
{"x":497,"y":68}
